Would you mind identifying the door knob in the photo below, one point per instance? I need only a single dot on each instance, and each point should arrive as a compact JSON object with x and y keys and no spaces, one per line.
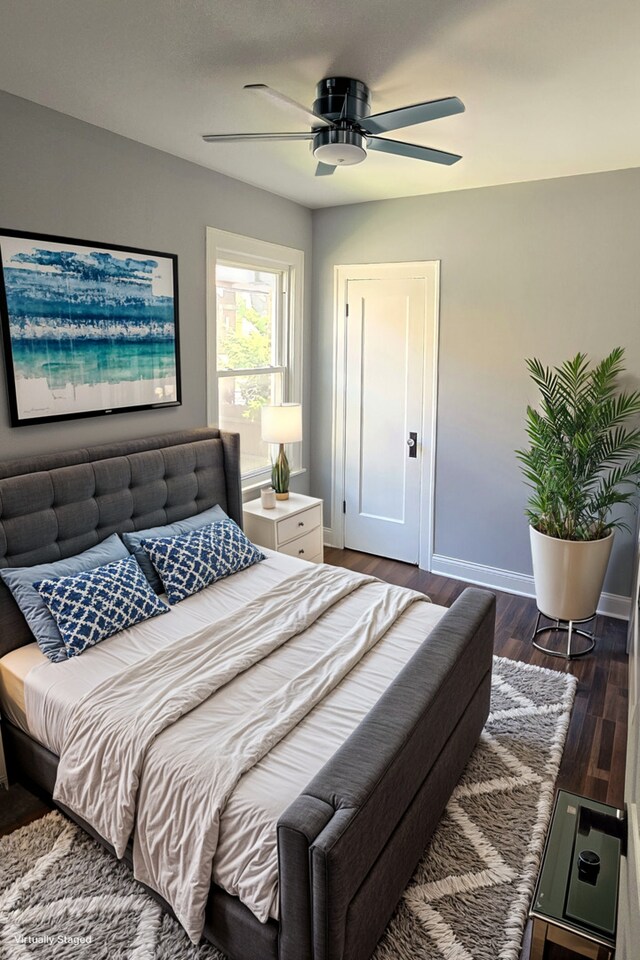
{"x":412,"y":443}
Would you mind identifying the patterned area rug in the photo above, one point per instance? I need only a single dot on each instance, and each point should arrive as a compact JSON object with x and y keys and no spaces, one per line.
{"x":63,"y":897}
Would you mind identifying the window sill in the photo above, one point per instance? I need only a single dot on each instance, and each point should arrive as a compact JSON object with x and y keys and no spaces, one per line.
{"x":255,"y":484}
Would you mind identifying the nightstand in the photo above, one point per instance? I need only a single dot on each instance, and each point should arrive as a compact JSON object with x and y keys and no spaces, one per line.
{"x":293,"y":526}
{"x":4,"y":780}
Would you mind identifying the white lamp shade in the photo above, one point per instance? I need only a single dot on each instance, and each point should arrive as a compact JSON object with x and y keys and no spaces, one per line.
{"x":283,"y":423}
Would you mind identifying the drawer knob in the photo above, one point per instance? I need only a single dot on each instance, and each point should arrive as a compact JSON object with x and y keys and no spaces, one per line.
{"x":300,"y":551}
{"x":301,"y":523}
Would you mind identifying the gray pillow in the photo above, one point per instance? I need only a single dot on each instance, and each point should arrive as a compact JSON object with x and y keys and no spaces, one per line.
{"x":21,"y":580}
{"x":134,"y":540}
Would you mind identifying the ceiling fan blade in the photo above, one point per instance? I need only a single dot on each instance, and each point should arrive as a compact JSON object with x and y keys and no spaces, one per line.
{"x":324,"y":170}
{"x":408,"y":116}
{"x":291,"y":105}
{"x":414,"y":150}
{"x":239,"y":137}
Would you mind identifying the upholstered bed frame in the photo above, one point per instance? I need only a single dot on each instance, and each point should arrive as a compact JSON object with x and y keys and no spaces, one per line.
{"x":349,"y":843}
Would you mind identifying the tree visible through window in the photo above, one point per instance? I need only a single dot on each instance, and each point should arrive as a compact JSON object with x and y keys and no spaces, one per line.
{"x":251,"y":354}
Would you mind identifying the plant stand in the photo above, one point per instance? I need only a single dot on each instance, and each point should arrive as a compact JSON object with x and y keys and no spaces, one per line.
{"x":568,"y":627}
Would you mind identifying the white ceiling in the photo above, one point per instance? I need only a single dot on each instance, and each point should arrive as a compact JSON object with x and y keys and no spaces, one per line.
{"x":551,"y":87}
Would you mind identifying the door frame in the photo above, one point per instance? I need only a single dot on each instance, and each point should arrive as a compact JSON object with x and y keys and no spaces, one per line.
{"x":429,"y":270}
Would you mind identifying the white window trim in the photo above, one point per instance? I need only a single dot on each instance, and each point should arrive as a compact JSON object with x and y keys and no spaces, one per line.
{"x":233,"y":247}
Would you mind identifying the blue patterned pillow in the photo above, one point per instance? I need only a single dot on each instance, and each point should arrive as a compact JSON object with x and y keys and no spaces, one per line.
{"x":21,"y":580}
{"x":133,"y":539}
{"x":94,"y":605}
{"x":191,"y":562}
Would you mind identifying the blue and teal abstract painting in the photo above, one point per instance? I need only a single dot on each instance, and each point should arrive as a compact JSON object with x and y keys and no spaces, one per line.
{"x":91,"y":329}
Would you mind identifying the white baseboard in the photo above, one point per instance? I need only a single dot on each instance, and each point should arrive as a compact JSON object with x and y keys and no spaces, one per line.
{"x":327,"y":536}
{"x":611,"y":604}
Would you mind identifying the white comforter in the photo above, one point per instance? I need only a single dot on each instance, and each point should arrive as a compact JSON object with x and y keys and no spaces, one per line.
{"x":245,"y":863}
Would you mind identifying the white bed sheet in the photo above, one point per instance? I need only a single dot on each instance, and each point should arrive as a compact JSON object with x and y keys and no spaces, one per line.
{"x":246,"y":859}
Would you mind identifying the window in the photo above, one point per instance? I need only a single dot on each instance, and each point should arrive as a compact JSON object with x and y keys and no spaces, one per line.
{"x":255,"y":327}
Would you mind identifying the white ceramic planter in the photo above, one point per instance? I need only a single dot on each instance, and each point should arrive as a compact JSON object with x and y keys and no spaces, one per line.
{"x":568,"y":574}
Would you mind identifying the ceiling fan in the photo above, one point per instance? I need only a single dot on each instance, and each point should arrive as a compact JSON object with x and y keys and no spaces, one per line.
{"x":343,"y":128}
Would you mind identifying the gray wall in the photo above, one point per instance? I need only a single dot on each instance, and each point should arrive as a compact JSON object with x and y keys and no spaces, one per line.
{"x":62,"y":176}
{"x":535,"y":269}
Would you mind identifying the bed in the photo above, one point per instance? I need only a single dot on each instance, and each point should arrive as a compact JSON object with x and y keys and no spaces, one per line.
{"x":319,"y":838}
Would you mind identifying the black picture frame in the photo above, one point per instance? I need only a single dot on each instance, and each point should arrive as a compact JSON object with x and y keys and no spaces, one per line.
{"x":82,"y":312}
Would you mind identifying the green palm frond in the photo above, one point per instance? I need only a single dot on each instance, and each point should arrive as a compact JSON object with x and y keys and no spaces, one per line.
{"x":584,"y":456}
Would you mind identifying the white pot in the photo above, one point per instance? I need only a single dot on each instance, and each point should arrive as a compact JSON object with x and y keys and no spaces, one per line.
{"x":569,"y":574}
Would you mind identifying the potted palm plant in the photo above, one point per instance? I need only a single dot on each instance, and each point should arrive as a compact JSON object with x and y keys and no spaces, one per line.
{"x":583,"y":461}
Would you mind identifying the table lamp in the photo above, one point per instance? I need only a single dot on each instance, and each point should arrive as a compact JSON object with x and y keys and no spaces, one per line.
{"x":282,"y":424}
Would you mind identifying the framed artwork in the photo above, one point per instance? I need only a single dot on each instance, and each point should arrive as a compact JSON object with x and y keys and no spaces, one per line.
{"x":88,"y":328}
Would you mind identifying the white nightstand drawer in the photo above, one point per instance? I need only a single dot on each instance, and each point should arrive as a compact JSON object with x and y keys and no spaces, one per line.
{"x":307,"y":547}
{"x":299,"y":523}
{"x":287,"y":526}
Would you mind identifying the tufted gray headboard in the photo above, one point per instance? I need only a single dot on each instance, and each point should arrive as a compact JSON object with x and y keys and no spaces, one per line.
{"x":58,"y":505}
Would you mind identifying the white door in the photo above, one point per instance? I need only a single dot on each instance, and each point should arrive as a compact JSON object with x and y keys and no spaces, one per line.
{"x":385,"y":363}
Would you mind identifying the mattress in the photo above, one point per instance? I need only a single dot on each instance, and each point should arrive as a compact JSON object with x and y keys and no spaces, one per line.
{"x":14,"y":669}
{"x":39,"y":696}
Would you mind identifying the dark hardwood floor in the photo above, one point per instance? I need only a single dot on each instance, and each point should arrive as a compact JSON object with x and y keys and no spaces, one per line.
{"x":594,"y":755}
{"x":19,"y":806}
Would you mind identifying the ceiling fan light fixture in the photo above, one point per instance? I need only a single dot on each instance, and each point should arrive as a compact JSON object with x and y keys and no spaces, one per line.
{"x":340,"y":148}
{"x":343,"y":129}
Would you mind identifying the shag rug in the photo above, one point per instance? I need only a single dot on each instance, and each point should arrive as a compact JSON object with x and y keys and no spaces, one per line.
{"x":62,"y":897}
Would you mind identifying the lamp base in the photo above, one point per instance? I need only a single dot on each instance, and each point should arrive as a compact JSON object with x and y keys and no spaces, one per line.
{"x":280,"y":475}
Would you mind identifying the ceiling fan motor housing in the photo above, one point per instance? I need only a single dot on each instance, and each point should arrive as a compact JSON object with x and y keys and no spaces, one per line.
{"x":339,"y":147}
{"x":330,"y":99}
